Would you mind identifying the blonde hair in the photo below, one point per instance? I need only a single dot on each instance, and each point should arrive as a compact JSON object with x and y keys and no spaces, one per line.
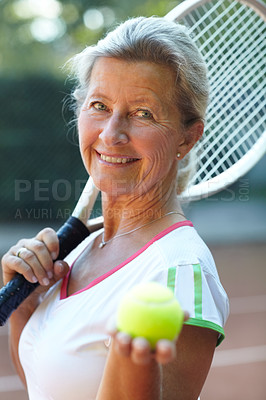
{"x":159,"y":41}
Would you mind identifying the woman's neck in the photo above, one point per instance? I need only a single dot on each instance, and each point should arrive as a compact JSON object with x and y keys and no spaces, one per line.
{"x":124,"y":213}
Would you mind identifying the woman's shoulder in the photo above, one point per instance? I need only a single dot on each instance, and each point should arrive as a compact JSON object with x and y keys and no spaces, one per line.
{"x":183,"y":245}
{"x":181,"y":237}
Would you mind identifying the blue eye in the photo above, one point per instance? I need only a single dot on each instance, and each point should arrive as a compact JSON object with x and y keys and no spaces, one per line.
{"x":144,"y":114}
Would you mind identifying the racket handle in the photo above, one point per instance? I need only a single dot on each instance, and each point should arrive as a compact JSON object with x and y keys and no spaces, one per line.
{"x":18,"y":289}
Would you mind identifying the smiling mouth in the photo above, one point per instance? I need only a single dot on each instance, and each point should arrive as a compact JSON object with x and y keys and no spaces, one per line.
{"x":116,"y":160}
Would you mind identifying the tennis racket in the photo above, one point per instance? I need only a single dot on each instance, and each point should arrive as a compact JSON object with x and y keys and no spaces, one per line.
{"x":231,"y":37}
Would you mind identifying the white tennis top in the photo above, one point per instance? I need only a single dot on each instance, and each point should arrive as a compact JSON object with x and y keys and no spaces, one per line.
{"x":63,"y":347}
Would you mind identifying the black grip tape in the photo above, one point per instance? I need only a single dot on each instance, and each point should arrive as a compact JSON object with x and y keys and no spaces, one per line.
{"x":18,"y":289}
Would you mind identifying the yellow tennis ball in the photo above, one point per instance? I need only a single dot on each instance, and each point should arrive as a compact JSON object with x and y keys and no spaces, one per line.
{"x":150,"y":310}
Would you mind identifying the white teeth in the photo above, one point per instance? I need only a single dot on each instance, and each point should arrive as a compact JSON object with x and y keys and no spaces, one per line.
{"x":115,"y":160}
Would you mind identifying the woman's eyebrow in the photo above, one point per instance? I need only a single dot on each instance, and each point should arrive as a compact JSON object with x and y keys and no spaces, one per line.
{"x":148,"y":102}
{"x":98,"y":94}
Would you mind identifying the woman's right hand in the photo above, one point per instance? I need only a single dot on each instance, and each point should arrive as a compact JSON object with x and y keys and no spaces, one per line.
{"x":34,"y":259}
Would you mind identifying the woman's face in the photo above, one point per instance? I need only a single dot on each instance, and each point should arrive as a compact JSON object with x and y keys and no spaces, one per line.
{"x":129,"y":126}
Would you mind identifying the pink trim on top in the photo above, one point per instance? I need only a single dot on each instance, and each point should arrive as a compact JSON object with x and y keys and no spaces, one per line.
{"x":63,"y":292}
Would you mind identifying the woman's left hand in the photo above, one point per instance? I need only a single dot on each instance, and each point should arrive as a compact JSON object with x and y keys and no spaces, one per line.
{"x":139,"y":349}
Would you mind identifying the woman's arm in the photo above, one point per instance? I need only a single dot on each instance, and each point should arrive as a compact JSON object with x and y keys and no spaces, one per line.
{"x":185,"y":376}
{"x":130,"y":371}
{"x":35,"y":263}
{"x":17,"y":321}
{"x":172,"y":373}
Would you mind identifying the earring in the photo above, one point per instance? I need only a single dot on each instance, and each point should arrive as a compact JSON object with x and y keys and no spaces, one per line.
{"x":178,"y":155}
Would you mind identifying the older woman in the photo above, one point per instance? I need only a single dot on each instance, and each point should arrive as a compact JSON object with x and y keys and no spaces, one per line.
{"x":141,"y":101}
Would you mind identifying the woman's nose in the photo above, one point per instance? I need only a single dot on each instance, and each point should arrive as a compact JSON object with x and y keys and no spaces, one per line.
{"x":114,"y":131}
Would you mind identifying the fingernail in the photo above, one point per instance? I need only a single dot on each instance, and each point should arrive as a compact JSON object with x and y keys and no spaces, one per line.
{"x":141,"y":343}
{"x":50,"y":274}
{"x":124,"y":338}
{"x":60,"y":267}
{"x":54,"y":255}
{"x":45,"y":281}
{"x":34,"y":279}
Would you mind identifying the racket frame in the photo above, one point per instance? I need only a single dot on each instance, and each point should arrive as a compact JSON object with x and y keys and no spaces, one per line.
{"x":187,"y":6}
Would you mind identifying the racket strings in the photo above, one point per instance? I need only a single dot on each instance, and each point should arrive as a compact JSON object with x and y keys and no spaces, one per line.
{"x":217,"y":125}
{"x":220,"y":55}
{"x":230,"y":36}
{"x":237,"y":97}
{"x":216,"y":156}
{"x":214,"y":24}
{"x":240,"y":120}
{"x":204,"y":18}
{"x":241,"y":51}
{"x":228,"y":156}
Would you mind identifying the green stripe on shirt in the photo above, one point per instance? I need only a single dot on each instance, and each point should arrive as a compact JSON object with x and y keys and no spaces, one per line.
{"x":197,"y":291}
{"x":171,"y":278}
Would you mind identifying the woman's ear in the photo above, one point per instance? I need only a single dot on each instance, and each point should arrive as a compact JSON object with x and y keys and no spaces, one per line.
{"x":191,"y":135}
